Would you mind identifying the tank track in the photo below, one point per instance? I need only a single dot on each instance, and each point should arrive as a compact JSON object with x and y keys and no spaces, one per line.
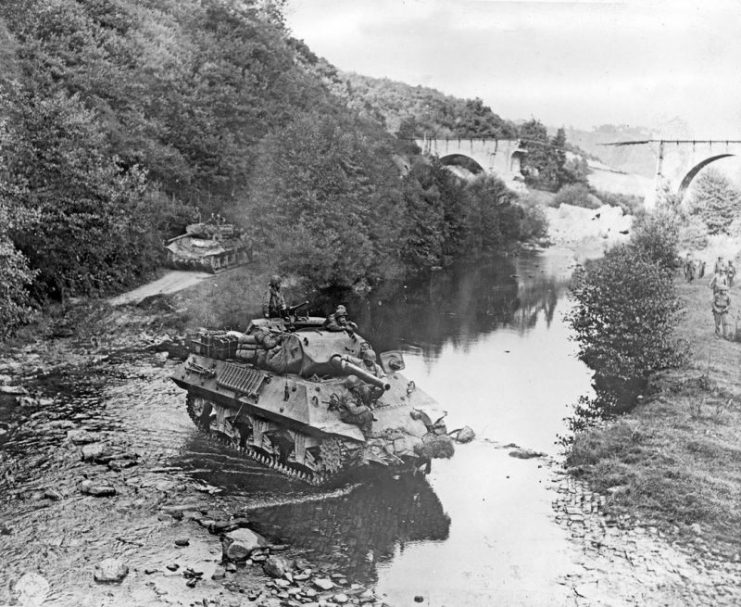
{"x":269,"y":461}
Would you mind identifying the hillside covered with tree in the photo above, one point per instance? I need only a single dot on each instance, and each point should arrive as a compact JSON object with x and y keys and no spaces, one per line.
{"x":123,"y":120}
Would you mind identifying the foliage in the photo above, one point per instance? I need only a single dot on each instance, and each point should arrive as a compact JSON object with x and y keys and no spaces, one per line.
{"x":546,"y":165}
{"x":428,"y":109}
{"x":715,"y":200}
{"x":324,"y":198}
{"x":15,"y":275}
{"x":629,"y":203}
{"x":655,"y":236}
{"x":626,"y":309}
{"x":493,"y":217}
{"x":577,"y":195}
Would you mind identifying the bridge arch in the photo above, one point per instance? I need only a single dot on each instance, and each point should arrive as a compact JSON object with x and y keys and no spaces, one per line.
{"x":692,"y":173}
{"x":464,"y":160}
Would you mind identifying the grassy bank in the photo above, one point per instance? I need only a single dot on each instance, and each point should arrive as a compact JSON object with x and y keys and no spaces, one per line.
{"x":675,"y":461}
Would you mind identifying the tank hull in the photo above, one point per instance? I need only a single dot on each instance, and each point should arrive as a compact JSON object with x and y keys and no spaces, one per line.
{"x":310,"y":422}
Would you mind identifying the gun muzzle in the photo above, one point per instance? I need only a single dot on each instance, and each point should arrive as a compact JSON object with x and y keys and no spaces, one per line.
{"x":348,"y":368}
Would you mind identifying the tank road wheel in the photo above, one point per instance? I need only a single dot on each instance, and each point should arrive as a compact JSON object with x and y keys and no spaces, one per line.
{"x":199,"y":410}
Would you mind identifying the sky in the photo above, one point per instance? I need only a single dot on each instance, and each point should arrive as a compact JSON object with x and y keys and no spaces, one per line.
{"x":580,"y":63}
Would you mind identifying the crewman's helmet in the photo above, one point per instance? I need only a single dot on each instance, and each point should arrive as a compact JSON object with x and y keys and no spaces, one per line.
{"x":369,"y":355}
{"x":275,"y":280}
{"x":341,"y":311}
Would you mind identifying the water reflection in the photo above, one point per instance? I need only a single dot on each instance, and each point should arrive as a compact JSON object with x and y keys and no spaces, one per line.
{"x":362,"y":529}
{"x":457,"y":305}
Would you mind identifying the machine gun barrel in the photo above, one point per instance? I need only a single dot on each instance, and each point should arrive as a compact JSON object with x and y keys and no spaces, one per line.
{"x":297,"y":307}
{"x":348,"y":368}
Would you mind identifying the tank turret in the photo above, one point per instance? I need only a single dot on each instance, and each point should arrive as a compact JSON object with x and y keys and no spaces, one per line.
{"x":312,"y":403}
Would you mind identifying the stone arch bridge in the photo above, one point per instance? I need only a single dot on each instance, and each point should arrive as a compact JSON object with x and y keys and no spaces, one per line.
{"x":678,"y":161}
{"x":501,"y":157}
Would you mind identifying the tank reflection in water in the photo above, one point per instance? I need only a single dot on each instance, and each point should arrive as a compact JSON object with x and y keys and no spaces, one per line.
{"x":361,"y":529}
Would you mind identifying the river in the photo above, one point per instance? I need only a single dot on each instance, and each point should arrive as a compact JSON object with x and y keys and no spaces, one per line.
{"x":488,"y":341}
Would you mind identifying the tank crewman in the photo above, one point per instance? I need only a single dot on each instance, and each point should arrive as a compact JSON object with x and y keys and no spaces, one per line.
{"x":368,"y":363}
{"x":731,"y":273}
{"x":721,"y":307}
{"x":338,"y":321}
{"x":274,"y":304}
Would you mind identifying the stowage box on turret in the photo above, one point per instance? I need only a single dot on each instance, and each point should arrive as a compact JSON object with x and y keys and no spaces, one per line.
{"x":311,"y":403}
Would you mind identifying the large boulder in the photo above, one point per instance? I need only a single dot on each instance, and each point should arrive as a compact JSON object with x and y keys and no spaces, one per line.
{"x":110,"y":571}
{"x":239,"y":544}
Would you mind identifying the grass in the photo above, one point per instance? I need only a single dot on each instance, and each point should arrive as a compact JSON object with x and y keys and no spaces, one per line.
{"x":676,"y":459}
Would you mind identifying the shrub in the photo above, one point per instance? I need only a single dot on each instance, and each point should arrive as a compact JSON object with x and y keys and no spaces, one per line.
{"x":656,"y":236}
{"x":624,"y":319}
{"x":629,"y":203}
{"x":577,"y":195}
{"x":715,"y":200}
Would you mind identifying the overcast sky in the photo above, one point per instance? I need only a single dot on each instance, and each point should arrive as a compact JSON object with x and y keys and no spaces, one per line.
{"x":582,"y":63}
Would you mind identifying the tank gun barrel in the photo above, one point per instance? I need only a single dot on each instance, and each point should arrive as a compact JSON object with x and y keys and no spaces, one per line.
{"x":349,"y":368}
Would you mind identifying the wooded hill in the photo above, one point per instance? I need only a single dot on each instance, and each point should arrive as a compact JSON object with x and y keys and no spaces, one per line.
{"x":123,"y":120}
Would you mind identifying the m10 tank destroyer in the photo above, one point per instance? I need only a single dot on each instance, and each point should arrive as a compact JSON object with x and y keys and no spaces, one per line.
{"x":311,"y":403}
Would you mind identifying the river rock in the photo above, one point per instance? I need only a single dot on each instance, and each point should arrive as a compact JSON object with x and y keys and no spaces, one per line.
{"x":464,"y":435}
{"x":110,"y":571}
{"x":525,"y":454}
{"x":80,"y":437}
{"x":52,"y":494}
{"x":93,"y":452}
{"x":323,"y":583}
{"x":340,"y":599}
{"x":13,"y":390}
{"x":218,"y":574}
{"x":240,"y":543}
{"x":31,"y":590}
{"x":97,"y":490}
{"x":276,"y":566}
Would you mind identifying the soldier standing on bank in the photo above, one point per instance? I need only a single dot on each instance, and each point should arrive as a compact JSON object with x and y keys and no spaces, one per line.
{"x":274,"y":304}
{"x":730,"y":272}
{"x":721,"y":307}
{"x":719,"y":279}
{"x":689,"y":268}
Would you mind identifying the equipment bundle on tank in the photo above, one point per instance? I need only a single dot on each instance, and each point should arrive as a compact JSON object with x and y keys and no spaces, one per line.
{"x":311,"y":403}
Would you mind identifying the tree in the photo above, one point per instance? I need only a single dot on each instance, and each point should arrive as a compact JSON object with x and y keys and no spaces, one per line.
{"x":625,"y":312}
{"x":15,"y":274}
{"x":325,"y":199}
{"x":715,"y":200}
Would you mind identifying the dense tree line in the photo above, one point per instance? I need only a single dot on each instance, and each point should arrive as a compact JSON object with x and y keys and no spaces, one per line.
{"x":123,"y":120}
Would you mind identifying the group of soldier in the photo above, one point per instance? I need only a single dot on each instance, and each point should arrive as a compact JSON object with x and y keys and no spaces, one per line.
{"x":721,"y":282}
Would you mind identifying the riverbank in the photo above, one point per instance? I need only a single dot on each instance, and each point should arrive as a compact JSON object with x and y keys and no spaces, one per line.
{"x":675,"y":461}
